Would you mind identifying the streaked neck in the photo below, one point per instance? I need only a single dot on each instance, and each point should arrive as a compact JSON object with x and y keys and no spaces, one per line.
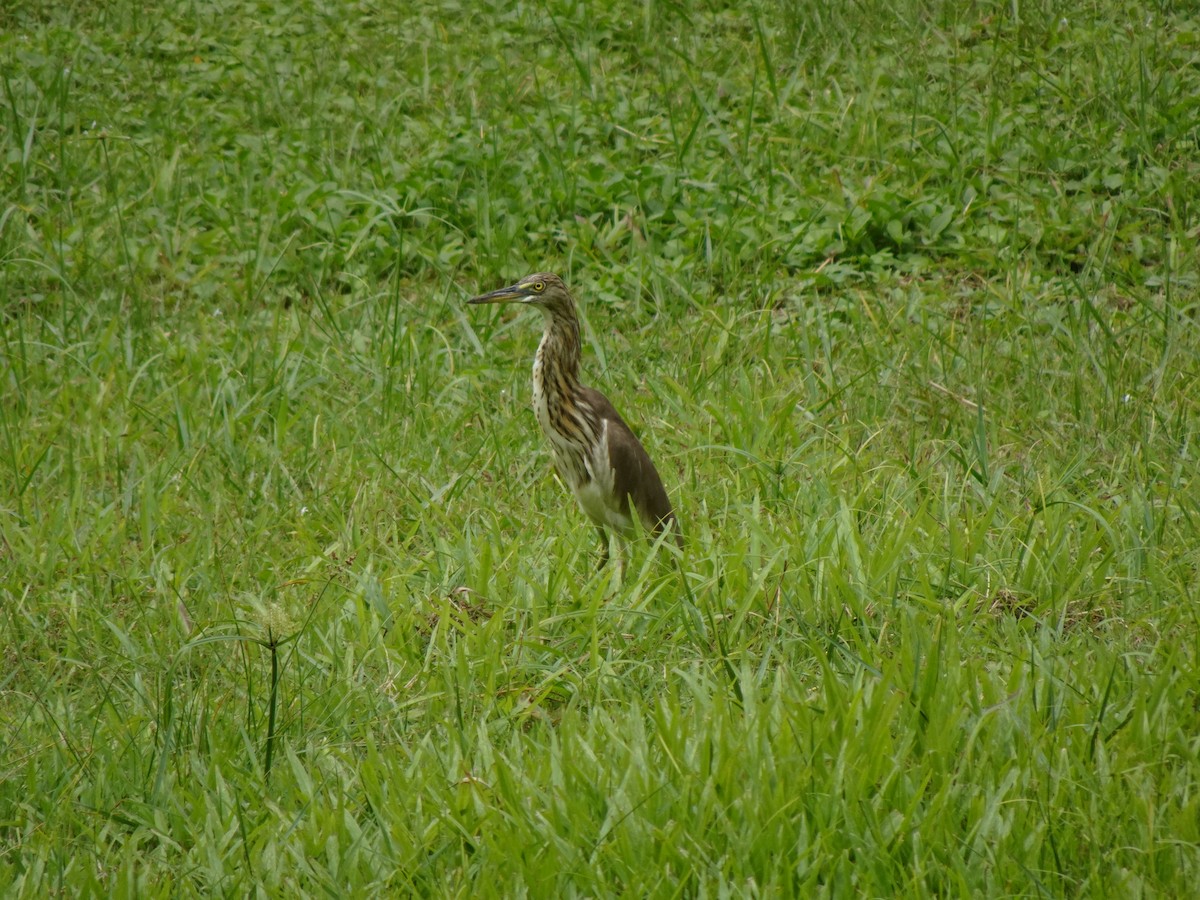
{"x":558,"y":353}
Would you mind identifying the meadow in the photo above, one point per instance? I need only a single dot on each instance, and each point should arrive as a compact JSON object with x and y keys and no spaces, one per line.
{"x":901,"y":297}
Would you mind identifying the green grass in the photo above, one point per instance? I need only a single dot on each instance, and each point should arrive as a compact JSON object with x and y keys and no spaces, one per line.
{"x":902,"y":298}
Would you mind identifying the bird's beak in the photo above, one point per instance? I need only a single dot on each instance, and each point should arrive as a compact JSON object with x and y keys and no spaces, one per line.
{"x":514,"y":293}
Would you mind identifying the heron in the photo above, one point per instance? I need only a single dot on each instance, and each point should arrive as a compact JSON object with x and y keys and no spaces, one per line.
{"x":595,"y":453}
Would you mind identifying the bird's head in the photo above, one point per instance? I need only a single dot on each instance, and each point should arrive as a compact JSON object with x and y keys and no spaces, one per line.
{"x":543,"y":290}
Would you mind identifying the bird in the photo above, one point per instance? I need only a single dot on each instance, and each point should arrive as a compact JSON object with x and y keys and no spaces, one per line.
{"x":595,"y":452}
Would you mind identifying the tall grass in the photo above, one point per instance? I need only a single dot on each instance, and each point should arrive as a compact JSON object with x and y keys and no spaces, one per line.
{"x":902,"y":299}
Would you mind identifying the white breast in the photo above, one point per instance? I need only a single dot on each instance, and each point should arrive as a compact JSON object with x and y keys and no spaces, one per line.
{"x":596,"y":496}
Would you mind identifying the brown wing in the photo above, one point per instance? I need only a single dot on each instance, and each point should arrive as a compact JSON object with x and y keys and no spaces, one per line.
{"x":634,"y":476}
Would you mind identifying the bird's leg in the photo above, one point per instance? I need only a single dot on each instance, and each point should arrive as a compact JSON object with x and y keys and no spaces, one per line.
{"x":603,"y":547}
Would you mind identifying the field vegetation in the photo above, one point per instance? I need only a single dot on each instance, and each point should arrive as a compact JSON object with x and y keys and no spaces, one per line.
{"x":902,"y":298}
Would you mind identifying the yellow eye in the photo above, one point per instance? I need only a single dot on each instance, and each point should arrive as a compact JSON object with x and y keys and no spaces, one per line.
{"x":539,"y":286}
